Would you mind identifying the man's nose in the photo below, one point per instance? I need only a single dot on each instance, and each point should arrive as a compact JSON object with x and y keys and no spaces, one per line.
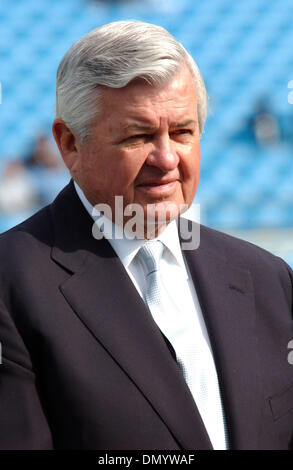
{"x":163,"y":155}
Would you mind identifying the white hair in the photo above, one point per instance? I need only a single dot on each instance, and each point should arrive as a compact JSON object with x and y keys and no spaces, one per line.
{"x":113,"y":55}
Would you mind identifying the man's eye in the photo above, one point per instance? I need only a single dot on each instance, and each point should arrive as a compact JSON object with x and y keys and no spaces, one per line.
{"x":139,"y":137}
{"x":182,"y":131}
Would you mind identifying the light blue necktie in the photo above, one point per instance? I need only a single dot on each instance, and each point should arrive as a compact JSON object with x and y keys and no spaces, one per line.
{"x":165,"y":309}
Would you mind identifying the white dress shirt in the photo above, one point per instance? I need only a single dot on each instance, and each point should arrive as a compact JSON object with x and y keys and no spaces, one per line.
{"x":173,"y":269}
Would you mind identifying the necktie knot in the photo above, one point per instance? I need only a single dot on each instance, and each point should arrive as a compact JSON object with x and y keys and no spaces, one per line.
{"x":150,"y":255}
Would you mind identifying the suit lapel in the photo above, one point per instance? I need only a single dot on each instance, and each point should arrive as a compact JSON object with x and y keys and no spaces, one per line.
{"x":226,"y":297}
{"x":104,"y":298}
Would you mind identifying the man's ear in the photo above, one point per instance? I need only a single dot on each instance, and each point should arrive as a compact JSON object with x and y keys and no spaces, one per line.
{"x":67,"y":142}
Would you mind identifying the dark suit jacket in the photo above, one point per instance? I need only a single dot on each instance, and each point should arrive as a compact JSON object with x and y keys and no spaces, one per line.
{"x":85,"y":367}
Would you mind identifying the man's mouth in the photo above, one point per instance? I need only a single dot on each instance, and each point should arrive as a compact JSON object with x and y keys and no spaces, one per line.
{"x":158,"y":186}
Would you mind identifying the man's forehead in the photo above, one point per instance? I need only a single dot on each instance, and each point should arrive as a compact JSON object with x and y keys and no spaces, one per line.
{"x":141,"y":106}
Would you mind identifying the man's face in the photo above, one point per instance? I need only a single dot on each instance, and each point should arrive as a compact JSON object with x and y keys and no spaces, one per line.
{"x":144,"y":146}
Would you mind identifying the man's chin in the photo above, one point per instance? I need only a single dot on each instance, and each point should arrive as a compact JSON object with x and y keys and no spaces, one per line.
{"x":159,"y":215}
{"x":162,"y":212}
{"x":149,"y":220}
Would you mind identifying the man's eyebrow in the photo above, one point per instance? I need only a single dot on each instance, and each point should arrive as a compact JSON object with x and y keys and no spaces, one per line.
{"x":138,"y":127}
{"x":148,"y":127}
{"x":185,"y":123}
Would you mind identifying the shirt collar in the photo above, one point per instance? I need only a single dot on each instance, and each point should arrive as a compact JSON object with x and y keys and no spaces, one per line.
{"x":126,"y":248}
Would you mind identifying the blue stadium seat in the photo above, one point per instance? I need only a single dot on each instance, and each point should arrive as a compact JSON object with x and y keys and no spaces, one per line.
{"x":243,"y":50}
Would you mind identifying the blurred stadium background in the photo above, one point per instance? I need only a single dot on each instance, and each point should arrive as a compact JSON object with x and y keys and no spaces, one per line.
{"x":244,"y":51}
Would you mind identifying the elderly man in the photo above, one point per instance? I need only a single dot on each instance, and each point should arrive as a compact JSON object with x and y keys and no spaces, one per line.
{"x":114,"y":336}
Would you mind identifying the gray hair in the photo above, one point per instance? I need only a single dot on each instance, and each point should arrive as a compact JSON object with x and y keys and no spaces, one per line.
{"x":113,"y":55}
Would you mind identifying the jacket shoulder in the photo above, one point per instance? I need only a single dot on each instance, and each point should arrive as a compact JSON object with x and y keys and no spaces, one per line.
{"x":240,"y":252}
{"x":21,"y":240}
{"x":35,"y":224}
